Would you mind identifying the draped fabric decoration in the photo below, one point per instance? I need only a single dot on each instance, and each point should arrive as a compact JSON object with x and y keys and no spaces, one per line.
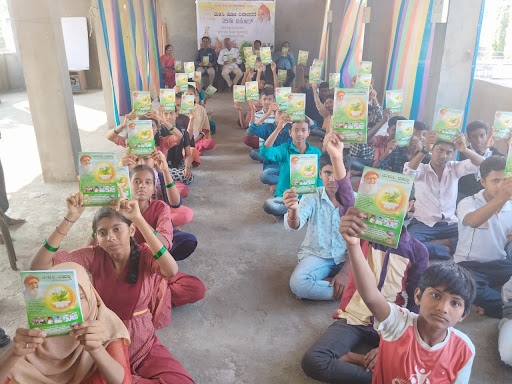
{"x":130,"y":28}
{"x":323,"y":39}
{"x":411,"y":50}
{"x":350,"y":44}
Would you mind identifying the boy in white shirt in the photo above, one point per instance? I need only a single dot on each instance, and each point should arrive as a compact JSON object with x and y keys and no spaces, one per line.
{"x":416,"y":348}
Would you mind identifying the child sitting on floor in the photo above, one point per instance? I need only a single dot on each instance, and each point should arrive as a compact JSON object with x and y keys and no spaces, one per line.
{"x":416,"y":348}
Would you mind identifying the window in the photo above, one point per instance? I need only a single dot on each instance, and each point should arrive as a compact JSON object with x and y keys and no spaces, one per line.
{"x":6,"y":36}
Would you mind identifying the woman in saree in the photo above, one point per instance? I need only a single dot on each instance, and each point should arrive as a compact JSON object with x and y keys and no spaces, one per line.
{"x":138,"y":282}
{"x":167,"y":65}
{"x":95,"y":351}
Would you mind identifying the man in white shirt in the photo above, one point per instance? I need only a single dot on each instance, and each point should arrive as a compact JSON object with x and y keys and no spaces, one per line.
{"x":229,"y":57}
{"x":434,"y":222}
{"x":485,"y":227}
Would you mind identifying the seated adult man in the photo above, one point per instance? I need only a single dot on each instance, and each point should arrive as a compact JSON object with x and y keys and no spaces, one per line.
{"x":322,"y":272}
{"x":434,"y":222}
{"x":201,"y":64}
{"x":229,"y":57}
{"x":479,"y":142}
{"x":299,"y":132}
{"x":485,"y":227}
{"x":347,"y":351}
{"x":284,"y":59}
{"x":394,"y":157}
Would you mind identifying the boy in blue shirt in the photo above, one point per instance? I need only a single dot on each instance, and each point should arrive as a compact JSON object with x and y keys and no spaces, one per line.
{"x":284,"y":59}
{"x":299,"y":132}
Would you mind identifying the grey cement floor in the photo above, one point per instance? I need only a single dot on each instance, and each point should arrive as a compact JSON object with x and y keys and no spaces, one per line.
{"x":249,"y":328}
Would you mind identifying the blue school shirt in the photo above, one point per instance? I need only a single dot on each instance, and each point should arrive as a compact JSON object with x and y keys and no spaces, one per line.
{"x":281,"y":155}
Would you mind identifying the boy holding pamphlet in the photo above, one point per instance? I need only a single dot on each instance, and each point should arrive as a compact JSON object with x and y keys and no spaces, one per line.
{"x":435,"y":188}
{"x":299,"y":132}
{"x":321,"y":272}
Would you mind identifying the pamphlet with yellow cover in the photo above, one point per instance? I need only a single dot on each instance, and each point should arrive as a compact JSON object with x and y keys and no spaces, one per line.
{"x":297,"y":106}
{"x":168,"y":99}
{"x":187,"y":104}
{"x":140,"y":137}
{"x":247,"y":53}
{"x":197,"y":76}
{"x":363,"y":80}
{"x":315,"y":74}
{"x":206,"y":60}
{"x":239,"y":93}
{"x":366,"y":67}
{"x":250,"y":61}
{"x":318,"y":63}
{"x":265,"y":55}
{"x":123,"y":180}
{"x":284,"y":51}
{"x":502,"y":125}
{"x":404,"y":131}
{"x":190,"y":68}
{"x":141,"y":102}
{"x":182,"y":81}
{"x":52,"y":300}
{"x":394,"y":100}
{"x":282,"y":94}
{"x":98,"y":182}
{"x":252,"y":91}
{"x":178,"y":66}
{"x":448,"y":123}
{"x":302,"y":58}
{"x":350,"y":113}
{"x":334,"y":80}
{"x":281,"y":75}
{"x":210,"y":90}
{"x":383,"y":198}
{"x":304,"y":173}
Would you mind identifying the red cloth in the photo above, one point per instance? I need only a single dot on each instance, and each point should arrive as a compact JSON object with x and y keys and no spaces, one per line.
{"x":159,"y":216}
{"x":152,"y":292}
{"x":182,"y":188}
{"x":181,"y":216}
{"x":204,"y":145}
{"x":252,"y":141}
{"x":168,"y":71}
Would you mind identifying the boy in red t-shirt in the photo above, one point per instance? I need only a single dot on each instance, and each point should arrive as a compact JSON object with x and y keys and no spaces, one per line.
{"x":416,"y":348}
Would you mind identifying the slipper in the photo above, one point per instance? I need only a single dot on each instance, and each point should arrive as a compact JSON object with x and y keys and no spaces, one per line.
{"x":5,"y":340}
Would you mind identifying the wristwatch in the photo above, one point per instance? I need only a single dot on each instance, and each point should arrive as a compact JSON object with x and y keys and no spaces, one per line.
{"x":423,"y":151}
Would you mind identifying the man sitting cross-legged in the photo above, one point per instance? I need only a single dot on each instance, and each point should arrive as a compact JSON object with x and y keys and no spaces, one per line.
{"x":434,"y":222}
{"x":485,"y":227}
{"x":322,"y":272}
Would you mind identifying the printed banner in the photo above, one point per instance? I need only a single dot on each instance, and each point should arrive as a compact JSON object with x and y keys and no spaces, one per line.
{"x":241,"y":21}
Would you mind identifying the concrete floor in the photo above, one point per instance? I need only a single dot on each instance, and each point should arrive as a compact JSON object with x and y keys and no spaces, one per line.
{"x":249,"y":328}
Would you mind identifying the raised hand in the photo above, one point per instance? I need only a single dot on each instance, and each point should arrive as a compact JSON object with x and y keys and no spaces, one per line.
{"x":74,"y":203}
{"x":26,"y":341}
{"x":153,"y":115}
{"x":128,"y":117}
{"x":386,"y":114}
{"x":390,"y":146}
{"x":460,"y":142}
{"x":89,"y":334}
{"x":273,"y":66}
{"x":160,"y":161}
{"x":291,"y":199}
{"x":129,"y":208}
{"x":430,"y":140}
{"x":129,"y":160}
{"x":238,"y":105}
{"x":333,"y":144}
{"x":352,"y":225}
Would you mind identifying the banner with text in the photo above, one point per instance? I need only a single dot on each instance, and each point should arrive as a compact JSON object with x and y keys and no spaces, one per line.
{"x":241,"y":21}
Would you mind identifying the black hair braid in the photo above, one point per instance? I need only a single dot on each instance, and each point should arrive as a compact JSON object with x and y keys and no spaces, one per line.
{"x":133,"y":263}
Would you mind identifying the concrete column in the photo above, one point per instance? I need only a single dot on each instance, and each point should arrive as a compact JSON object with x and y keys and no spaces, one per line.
{"x":106,"y":79}
{"x":454,"y":43}
{"x":41,"y":46}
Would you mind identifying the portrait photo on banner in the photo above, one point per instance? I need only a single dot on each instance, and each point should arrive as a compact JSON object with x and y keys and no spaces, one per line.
{"x":241,"y":21}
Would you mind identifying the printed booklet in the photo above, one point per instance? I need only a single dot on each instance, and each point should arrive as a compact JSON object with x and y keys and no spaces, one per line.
{"x":302,"y":58}
{"x":98,"y":182}
{"x":141,"y":102}
{"x":210,"y":90}
{"x":315,"y":74}
{"x":404,"y":131}
{"x":250,"y":61}
{"x":190,"y":68}
{"x":123,"y":180}
{"x":366,"y":67}
{"x":508,"y":166}
{"x":363,"y":80}
{"x":448,"y":124}
{"x":281,"y":75}
{"x":394,"y":100}
{"x":304,"y":173}
{"x":178,"y":66}
{"x":52,"y":300}
{"x":383,"y":197}
{"x":140,"y":137}
{"x":350,"y":113}
{"x":239,"y":93}
{"x":187,"y":104}
{"x":182,"y":81}
{"x":502,"y":125}
{"x":334,"y":80}
{"x":297,"y":106}
{"x":282,"y":94}
{"x":252,"y":90}
{"x":168,"y":99}
{"x":265,"y":55}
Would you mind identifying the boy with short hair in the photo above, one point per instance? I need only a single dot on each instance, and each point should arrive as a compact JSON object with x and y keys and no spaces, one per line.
{"x":416,"y":347}
{"x":322,"y":272}
{"x":206,"y":50}
{"x":299,"y":132}
{"x":485,"y":226}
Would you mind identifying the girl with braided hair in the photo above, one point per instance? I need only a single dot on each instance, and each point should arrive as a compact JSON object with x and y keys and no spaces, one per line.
{"x":138,"y":282}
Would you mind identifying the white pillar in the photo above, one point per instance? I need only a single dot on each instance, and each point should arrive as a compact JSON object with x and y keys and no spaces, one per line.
{"x":43,"y":57}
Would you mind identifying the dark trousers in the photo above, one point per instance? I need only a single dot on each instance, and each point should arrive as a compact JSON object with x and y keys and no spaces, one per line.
{"x":439,"y":231}
{"x":290,"y":75}
{"x":183,"y":245}
{"x":489,"y":278}
{"x":321,"y":362}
